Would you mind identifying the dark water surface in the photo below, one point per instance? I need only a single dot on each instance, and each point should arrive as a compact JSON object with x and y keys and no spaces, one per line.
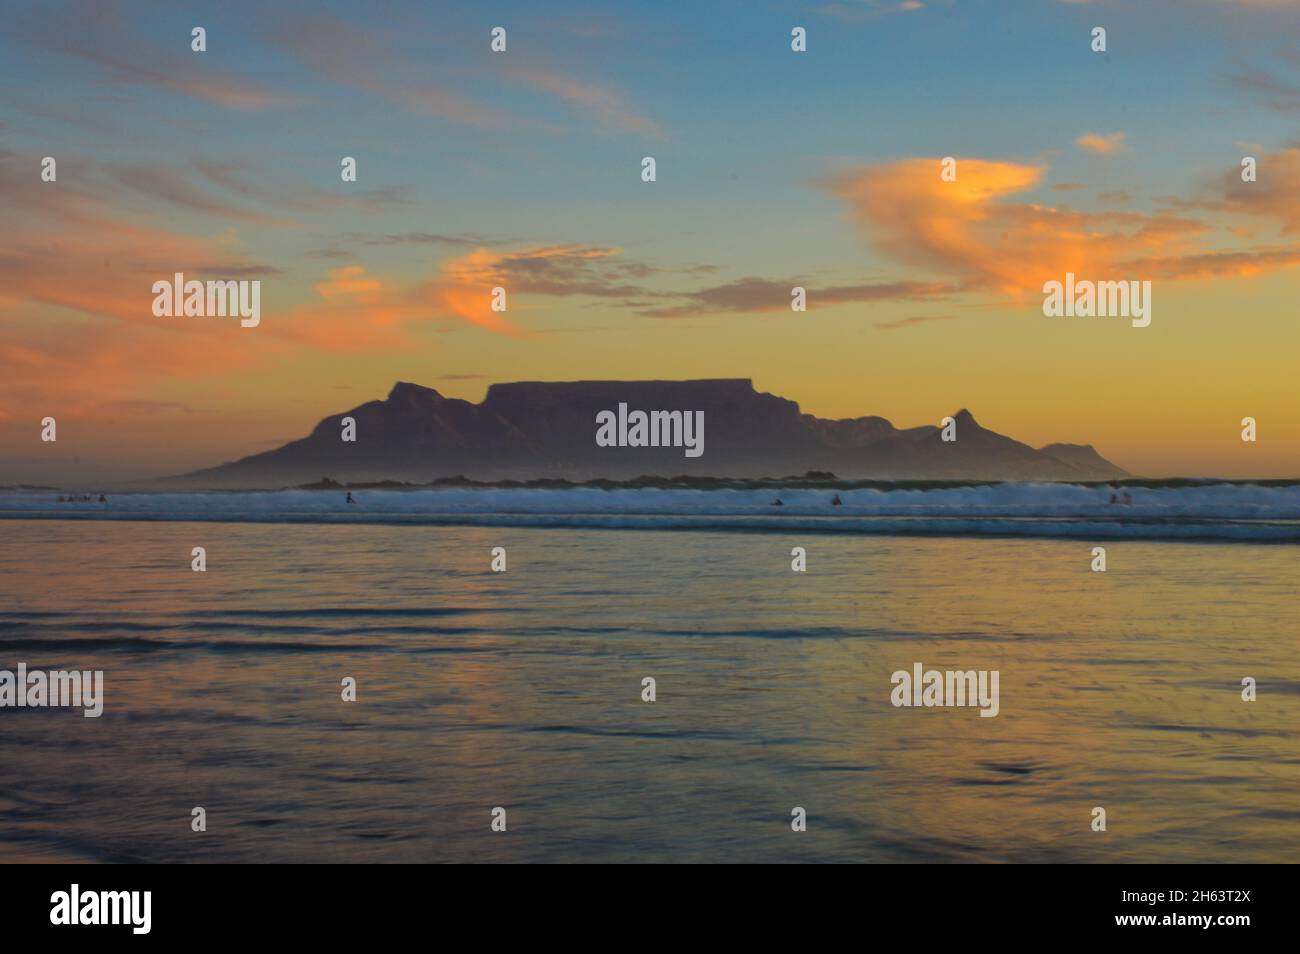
{"x":522,"y":690}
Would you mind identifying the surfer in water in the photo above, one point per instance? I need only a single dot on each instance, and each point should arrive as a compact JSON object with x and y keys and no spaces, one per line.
{"x":777,"y":503}
{"x":836,"y":501}
{"x":350,"y":500}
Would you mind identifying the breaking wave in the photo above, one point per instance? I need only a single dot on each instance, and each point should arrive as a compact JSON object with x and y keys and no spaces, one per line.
{"x":1178,"y":510}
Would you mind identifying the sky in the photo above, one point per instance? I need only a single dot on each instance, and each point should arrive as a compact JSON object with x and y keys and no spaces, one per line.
{"x":522,"y":170}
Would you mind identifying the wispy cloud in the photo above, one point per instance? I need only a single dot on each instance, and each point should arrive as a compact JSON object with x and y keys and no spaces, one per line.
{"x":463,"y":286}
{"x":602,"y":104}
{"x":1106,"y":144}
{"x":914,"y":320}
{"x":754,"y":295}
{"x":1268,"y":83}
{"x":430,"y":238}
{"x":333,"y":48}
{"x":1273,"y":198}
{"x":337,"y":50}
{"x":97,"y":31}
{"x":165,"y":184}
{"x":256,"y":186}
{"x":853,"y":10}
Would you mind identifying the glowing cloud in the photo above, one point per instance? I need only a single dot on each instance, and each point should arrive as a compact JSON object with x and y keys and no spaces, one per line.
{"x":970,"y":229}
{"x":1102,"y":145}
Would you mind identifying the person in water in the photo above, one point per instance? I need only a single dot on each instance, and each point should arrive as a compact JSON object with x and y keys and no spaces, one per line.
{"x":350,"y":500}
{"x":836,"y":501}
{"x":777,"y":502}
{"x":103,"y":499}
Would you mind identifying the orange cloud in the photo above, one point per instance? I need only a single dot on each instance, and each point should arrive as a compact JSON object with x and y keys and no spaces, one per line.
{"x":353,"y":312}
{"x":1102,"y":145}
{"x":77,"y":316}
{"x":913,"y":216}
{"x":357,"y":311}
{"x":349,"y":281}
{"x":970,"y":228}
{"x":76,"y":321}
{"x":463,"y":286}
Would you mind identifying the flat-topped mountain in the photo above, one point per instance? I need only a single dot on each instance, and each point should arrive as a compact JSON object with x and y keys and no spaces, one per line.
{"x":535,"y":429}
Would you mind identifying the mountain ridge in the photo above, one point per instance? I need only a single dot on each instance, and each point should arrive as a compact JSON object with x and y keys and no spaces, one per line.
{"x":541,"y":429}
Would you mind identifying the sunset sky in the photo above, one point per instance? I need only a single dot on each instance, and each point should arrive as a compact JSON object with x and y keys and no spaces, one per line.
{"x":775,"y":168}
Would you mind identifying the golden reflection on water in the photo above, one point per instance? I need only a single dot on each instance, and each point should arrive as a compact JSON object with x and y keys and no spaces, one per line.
{"x":1119,"y":689}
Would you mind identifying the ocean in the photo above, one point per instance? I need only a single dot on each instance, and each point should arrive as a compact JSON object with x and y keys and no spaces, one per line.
{"x":523,"y":689}
{"x":1210,"y":510}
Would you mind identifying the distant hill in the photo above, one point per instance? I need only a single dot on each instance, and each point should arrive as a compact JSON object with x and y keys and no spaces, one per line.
{"x":1083,"y":456}
{"x":531,"y":430}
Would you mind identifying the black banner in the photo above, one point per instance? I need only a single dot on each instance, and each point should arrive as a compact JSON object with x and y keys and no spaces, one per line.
{"x":1220,"y":904}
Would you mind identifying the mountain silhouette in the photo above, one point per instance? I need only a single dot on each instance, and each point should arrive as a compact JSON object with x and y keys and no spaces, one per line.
{"x":529,"y":430}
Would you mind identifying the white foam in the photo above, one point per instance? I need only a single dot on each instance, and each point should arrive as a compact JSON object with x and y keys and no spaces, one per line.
{"x":1230,"y":511}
